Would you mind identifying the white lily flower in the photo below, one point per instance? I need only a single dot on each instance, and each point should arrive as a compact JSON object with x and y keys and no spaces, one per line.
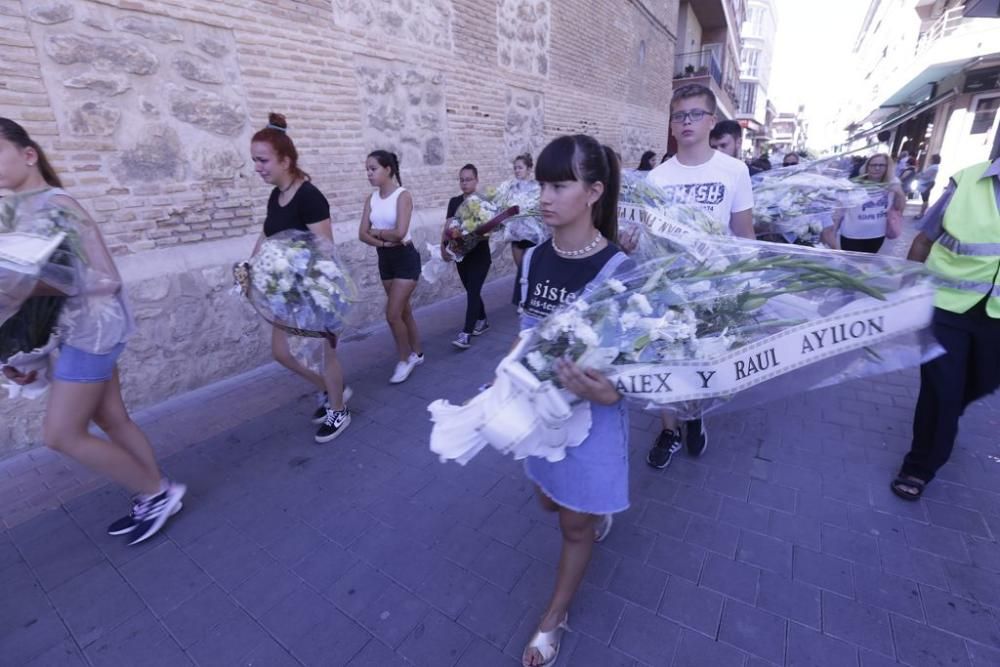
{"x":616,"y":286}
{"x":640,"y":303}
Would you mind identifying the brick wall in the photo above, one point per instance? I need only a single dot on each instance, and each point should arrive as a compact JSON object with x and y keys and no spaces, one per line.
{"x":147,"y":107}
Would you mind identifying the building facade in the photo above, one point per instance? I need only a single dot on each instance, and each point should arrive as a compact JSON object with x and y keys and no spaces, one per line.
{"x":757,"y":54}
{"x":789,"y":134}
{"x":147,"y":108}
{"x":930,"y":81}
{"x":708,"y":49}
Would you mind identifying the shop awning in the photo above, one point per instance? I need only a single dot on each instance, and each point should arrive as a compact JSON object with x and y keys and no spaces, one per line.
{"x":903,"y":116}
{"x":930,"y":75}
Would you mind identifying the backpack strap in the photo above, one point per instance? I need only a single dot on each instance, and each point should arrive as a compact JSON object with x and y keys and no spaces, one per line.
{"x":525,"y":269}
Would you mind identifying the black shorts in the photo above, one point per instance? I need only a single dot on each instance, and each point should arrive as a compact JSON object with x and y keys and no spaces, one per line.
{"x":399,"y":263}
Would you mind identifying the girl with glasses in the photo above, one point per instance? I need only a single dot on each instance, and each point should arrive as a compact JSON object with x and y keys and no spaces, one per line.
{"x":863,"y":228}
{"x":473,"y":268}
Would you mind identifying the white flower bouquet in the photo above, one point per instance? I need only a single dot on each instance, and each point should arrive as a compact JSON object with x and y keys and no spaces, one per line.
{"x":528,"y":224}
{"x":655,"y":225}
{"x":752,"y":323}
{"x":476,"y":218}
{"x":689,"y":335}
{"x":789,"y":201}
{"x":296,"y":283}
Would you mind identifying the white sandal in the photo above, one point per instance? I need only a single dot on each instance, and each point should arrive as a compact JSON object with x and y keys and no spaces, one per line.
{"x":547,"y":644}
{"x":603,"y":526}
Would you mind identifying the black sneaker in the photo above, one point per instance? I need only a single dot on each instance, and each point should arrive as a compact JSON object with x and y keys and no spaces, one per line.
{"x":322,"y":405}
{"x":482,"y":326}
{"x":153,"y":513}
{"x":334,"y":424}
{"x":661,"y":453}
{"x":462,"y":341}
{"x":127,"y":524}
{"x":695,"y":437}
{"x":323,"y":400}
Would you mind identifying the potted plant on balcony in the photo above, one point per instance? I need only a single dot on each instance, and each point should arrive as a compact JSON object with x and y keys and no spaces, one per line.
{"x":689,"y":71}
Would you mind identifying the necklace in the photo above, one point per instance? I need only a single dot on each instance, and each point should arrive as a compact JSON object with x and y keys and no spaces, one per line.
{"x":290,"y":186}
{"x":576,"y":253}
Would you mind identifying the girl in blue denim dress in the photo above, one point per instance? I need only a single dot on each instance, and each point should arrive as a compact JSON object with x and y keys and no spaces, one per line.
{"x":580,"y":181}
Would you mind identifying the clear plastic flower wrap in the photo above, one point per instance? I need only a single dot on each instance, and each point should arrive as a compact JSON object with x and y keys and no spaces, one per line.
{"x":750,"y":324}
{"x":54,"y":269}
{"x":476,"y":221}
{"x":650,"y":225}
{"x":38,"y":244}
{"x":792,"y":201}
{"x":528,"y":224}
{"x":297,"y":284}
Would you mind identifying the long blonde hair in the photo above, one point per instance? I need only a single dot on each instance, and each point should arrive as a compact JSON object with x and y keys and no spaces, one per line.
{"x":890,"y":168}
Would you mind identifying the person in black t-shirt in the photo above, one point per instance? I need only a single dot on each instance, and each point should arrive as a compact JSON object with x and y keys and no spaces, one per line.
{"x":473,"y":268}
{"x":295,"y":203}
{"x":580,"y":180}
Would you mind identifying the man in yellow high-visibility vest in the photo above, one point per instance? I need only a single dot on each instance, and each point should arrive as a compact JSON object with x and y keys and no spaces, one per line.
{"x":960,"y":244}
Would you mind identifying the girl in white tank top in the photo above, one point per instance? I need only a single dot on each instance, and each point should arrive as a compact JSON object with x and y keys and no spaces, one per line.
{"x":385,"y":224}
{"x":383,"y":211}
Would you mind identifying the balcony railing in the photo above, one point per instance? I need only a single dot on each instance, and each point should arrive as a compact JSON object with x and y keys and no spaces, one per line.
{"x":945,"y":25}
{"x":698,"y":63}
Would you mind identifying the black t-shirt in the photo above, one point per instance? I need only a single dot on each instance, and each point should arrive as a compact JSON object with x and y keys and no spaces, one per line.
{"x":554,"y":281}
{"x":307,"y":207}
{"x":453,"y":205}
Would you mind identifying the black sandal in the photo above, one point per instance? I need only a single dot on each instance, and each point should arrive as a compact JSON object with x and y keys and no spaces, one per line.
{"x":903,"y":483}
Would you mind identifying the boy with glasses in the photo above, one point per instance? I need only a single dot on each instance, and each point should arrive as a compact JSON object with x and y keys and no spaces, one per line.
{"x":717,"y":183}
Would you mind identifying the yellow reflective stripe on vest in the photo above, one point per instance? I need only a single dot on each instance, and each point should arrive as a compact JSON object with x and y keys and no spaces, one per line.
{"x":969,"y":249}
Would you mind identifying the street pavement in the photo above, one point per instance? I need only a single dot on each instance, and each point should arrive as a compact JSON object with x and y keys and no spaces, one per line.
{"x":781,"y":545}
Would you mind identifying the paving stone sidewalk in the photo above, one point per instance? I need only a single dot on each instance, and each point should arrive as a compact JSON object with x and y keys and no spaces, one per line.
{"x":782,"y":545}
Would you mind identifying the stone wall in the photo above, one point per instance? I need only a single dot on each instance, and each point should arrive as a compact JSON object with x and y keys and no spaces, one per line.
{"x":147,"y":106}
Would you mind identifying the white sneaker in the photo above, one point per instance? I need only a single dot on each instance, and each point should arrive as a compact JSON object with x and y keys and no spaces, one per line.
{"x":348,"y":393}
{"x":416,"y":359}
{"x":403,"y":370}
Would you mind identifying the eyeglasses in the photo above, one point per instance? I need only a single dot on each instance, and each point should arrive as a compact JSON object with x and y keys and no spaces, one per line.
{"x":695,"y":115}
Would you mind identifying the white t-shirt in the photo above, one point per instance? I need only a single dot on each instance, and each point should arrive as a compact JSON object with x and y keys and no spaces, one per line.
{"x":868,"y":220}
{"x":720,"y":186}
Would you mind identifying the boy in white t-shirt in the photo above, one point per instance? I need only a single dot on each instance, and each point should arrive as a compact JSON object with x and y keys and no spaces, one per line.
{"x":717,"y":183}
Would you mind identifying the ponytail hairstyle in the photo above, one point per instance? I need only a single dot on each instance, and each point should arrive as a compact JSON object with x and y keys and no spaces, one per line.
{"x":582,"y":158}
{"x":18,"y":136}
{"x":390,"y":161}
{"x":276,"y":134}
{"x":526,"y":159}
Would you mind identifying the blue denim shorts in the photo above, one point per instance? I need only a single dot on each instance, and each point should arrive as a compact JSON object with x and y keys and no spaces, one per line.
{"x":75,"y":365}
